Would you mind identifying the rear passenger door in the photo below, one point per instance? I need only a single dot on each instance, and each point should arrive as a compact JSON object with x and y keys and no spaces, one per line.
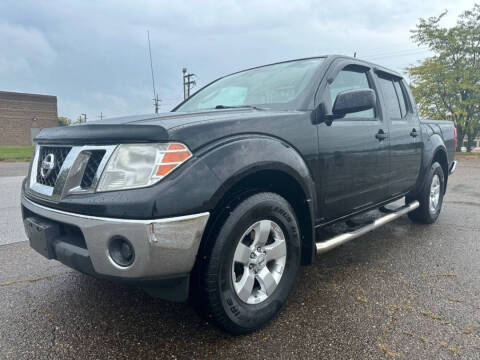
{"x":403,"y":132}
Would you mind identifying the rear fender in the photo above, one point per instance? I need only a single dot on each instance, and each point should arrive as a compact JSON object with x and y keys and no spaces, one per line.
{"x":432,"y":145}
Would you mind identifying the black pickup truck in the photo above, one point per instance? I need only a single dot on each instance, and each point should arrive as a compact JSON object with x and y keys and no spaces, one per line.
{"x":221,"y":199}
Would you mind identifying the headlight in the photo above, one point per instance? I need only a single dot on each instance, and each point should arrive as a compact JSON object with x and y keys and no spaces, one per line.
{"x":140,"y":165}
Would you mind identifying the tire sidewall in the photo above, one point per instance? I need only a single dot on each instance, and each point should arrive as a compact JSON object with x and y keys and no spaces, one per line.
{"x":265,"y":206}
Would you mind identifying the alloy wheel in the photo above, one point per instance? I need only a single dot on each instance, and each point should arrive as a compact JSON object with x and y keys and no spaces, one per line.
{"x":259,"y":261}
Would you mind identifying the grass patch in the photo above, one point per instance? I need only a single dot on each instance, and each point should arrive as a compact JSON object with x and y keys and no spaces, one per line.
{"x":431,"y":315}
{"x":467,"y":156}
{"x":16,"y":153}
{"x":362,"y":299}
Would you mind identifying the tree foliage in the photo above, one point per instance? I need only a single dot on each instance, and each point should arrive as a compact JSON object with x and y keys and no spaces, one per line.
{"x":447,"y":84}
{"x":64,"y":121}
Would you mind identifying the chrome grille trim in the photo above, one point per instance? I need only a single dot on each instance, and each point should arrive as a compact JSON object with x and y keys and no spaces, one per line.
{"x":93,"y":163}
{"x":71,"y":173}
{"x":60,"y":153}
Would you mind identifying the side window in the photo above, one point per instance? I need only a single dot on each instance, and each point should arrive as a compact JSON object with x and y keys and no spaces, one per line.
{"x":351,"y":80}
{"x":401,"y":97}
{"x":390,"y":98}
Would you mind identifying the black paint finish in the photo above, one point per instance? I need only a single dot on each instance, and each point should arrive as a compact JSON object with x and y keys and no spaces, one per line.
{"x":343,"y":167}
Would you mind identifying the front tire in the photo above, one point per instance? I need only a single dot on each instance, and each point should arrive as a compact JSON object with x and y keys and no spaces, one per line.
{"x":430,"y":198}
{"x":251,"y":266}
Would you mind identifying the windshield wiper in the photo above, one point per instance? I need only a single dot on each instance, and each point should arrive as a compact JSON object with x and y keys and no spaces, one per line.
{"x":238,"y":107}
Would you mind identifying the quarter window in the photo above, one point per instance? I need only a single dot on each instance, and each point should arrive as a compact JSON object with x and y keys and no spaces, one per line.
{"x":351,"y":80}
{"x":401,"y":97}
{"x":390,"y":98}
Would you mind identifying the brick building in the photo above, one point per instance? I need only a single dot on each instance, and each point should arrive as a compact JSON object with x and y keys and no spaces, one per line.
{"x":22,"y":116}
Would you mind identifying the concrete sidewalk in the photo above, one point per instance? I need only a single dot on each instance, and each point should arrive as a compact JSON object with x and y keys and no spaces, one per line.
{"x":11,"y":177}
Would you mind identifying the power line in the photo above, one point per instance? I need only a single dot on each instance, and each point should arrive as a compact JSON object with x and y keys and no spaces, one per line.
{"x":397,"y":52}
{"x":384,"y":52}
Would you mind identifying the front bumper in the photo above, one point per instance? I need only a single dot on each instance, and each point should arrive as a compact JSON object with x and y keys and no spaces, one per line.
{"x":163,"y":247}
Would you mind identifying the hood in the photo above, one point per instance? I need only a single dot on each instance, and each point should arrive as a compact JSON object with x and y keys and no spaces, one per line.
{"x":138,"y":128}
{"x":170,"y":120}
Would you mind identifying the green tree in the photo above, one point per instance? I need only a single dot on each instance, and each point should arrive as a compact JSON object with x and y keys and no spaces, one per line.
{"x":64,"y":121}
{"x":447,"y":84}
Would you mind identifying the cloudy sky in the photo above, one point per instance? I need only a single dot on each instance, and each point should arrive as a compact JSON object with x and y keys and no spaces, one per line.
{"x":93,"y":55}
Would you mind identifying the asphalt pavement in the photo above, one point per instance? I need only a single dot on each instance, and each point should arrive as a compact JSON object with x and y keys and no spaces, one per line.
{"x":404,"y":291}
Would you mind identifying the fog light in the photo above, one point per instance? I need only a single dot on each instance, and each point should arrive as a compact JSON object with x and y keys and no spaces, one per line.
{"x":121,"y":251}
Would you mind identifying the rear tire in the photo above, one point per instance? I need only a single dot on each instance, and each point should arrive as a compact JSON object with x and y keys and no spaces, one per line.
{"x":430,"y":198}
{"x":250,"y":268}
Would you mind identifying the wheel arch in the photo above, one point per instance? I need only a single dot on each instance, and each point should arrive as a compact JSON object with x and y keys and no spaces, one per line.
{"x":278,"y":182}
{"x":434,"y":150}
{"x":440,"y":156}
{"x":269,"y":165}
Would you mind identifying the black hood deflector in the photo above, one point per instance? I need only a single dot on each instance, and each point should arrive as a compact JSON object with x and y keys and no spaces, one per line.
{"x":102,"y":134}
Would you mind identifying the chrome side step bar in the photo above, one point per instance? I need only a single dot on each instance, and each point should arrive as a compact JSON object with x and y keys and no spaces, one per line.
{"x":338,"y":240}
{"x":454,"y":166}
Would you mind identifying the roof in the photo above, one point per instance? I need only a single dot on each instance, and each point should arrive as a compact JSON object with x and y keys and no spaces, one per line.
{"x":374,"y":66}
{"x":10,"y":95}
{"x":330,"y":57}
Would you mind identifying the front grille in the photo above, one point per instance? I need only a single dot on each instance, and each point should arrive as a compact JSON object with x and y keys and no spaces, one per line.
{"x":96,"y":157}
{"x":59,"y":154}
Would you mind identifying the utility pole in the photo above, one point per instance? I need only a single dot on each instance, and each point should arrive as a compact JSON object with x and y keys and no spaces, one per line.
{"x":84,"y":117}
{"x":188,"y":83}
{"x":101,"y":115}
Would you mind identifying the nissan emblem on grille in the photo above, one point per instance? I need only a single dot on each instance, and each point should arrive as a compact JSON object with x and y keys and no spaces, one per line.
{"x":48,"y":164}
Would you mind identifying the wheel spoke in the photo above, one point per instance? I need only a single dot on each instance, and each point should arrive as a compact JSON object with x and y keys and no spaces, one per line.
{"x":266,"y":280}
{"x":242,"y":254}
{"x":275,"y":251}
{"x":262,"y":232}
{"x":245,"y":286}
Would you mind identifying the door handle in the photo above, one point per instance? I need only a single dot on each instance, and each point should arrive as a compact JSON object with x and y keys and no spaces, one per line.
{"x":413,"y":133}
{"x":381,"y":135}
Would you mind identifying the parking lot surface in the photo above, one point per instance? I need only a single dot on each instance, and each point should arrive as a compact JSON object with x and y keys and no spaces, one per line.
{"x":404,"y":291}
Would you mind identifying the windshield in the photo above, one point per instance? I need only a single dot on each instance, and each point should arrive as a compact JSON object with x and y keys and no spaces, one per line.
{"x":272,"y":84}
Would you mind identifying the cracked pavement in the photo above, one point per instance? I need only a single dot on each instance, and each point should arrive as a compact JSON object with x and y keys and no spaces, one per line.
{"x":404,"y":291}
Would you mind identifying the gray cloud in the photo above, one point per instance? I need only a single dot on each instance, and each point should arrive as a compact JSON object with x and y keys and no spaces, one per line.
{"x":93,"y":55}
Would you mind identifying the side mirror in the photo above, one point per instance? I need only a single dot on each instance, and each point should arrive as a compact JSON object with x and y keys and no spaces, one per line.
{"x":351,"y":101}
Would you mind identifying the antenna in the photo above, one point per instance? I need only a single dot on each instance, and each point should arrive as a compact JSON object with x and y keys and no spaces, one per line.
{"x":155,"y":96}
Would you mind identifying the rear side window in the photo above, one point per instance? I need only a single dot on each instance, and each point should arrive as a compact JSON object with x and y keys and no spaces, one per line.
{"x":401,"y":97}
{"x":351,"y":80}
{"x":390,"y":98}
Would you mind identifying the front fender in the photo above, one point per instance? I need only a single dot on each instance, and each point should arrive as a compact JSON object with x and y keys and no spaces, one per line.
{"x":198,"y":185}
{"x":269,"y":163}
{"x":233,"y":160}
